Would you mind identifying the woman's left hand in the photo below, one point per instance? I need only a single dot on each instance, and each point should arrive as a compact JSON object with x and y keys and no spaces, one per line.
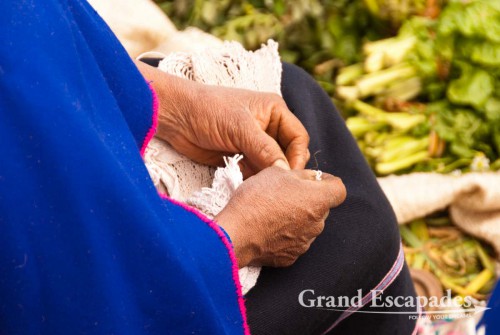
{"x":207,"y":122}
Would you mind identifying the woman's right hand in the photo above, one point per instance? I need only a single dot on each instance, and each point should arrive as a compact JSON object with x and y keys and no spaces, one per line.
{"x":275,"y":215}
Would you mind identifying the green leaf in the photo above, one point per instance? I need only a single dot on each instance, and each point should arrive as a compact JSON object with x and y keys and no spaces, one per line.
{"x":480,"y":18}
{"x":492,"y":110}
{"x":446,"y":46}
{"x":449,"y":20}
{"x":463,"y":129}
{"x":473,"y":87}
{"x":485,"y":53}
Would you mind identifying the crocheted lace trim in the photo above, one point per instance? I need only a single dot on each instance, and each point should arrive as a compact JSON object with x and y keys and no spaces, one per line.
{"x":201,"y":186}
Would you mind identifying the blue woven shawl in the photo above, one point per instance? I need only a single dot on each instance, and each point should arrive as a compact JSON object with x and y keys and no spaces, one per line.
{"x":87,"y":246}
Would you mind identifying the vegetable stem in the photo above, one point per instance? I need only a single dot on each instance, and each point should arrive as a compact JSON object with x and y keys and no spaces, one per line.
{"x":401,"y":121}
{"x":477,"y":283}
{"x":411,"y":239}
{"x":376,"y":82}
{"x":349,"y":74}
{"x":385,"y":168}
{"x":419,"y":228}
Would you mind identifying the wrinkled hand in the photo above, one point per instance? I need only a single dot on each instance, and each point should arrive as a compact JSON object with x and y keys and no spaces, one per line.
{"x":206,"y":123}
{"x":275,"y":215}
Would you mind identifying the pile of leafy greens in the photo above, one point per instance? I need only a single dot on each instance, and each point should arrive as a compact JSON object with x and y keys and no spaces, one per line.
{"x":309,"y":32}
{"x":471,"y":121}
{"x":444,"y":75}
{"x":419,"y":85}
{"x":417,"y":80}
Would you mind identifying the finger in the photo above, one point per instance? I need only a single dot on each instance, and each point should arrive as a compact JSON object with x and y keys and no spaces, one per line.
{"x":325,"y":217}
{"x":318,"y":226}
{"x":308,"y":246}
{"x":306,"y":174}
{"x":283,"y":262}
{"x":293,"y":137}
{"x":261,"y":150}
{"x":297,"y":153}
{"x":332,"y":190}
{"x":246,"y":169}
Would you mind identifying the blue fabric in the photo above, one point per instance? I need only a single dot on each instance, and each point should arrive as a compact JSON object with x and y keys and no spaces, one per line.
{"x":86,"y":244}
{"x":491,"y":317}
{"x":226,"y":234}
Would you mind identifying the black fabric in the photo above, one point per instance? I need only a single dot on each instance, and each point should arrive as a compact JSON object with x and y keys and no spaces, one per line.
{"x":360,"y":323}
{"x":151,"y":61}
{"x":358,"y":247}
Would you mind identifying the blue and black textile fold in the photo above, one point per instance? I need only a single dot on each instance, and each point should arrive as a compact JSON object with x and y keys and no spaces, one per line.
{"x":87,"y":246}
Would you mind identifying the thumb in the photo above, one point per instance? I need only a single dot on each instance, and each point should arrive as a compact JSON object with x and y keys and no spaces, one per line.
{"x":262,"y":150}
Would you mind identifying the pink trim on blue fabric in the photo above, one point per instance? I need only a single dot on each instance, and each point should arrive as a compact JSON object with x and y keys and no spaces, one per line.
{"x":384,"y":283}
{"x":154,"y":122}
{"x":236,"y":279}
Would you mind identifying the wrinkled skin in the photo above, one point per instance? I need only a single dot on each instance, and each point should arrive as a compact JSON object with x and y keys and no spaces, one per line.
{"x":277,"y":213}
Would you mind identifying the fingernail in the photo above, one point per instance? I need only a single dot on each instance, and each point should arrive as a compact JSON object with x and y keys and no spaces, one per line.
{"x":282,"y":164}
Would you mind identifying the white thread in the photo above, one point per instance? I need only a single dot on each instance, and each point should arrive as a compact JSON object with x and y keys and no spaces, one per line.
{"x":211,"y":200}
{"x":206,"y":188}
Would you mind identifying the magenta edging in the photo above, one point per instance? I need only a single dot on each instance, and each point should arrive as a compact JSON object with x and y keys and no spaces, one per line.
{"x":236,"y":279}
{"x":154,"y":125}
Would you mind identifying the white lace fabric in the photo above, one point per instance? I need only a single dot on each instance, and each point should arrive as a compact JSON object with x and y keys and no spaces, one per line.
{"x":212,"y":200}
{"x":198,"y":185}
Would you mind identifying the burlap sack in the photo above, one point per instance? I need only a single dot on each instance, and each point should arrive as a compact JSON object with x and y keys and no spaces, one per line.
{"x":473,"y":200}
{"x":141,"y":26}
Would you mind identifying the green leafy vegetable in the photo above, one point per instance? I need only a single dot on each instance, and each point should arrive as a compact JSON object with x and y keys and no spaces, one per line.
{"x":419,"y":78}
{"x":474,"y":87}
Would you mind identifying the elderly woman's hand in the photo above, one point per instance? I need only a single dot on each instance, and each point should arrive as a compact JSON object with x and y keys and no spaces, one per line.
{"x":275,"y":215}
{"x":207,"y":122}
